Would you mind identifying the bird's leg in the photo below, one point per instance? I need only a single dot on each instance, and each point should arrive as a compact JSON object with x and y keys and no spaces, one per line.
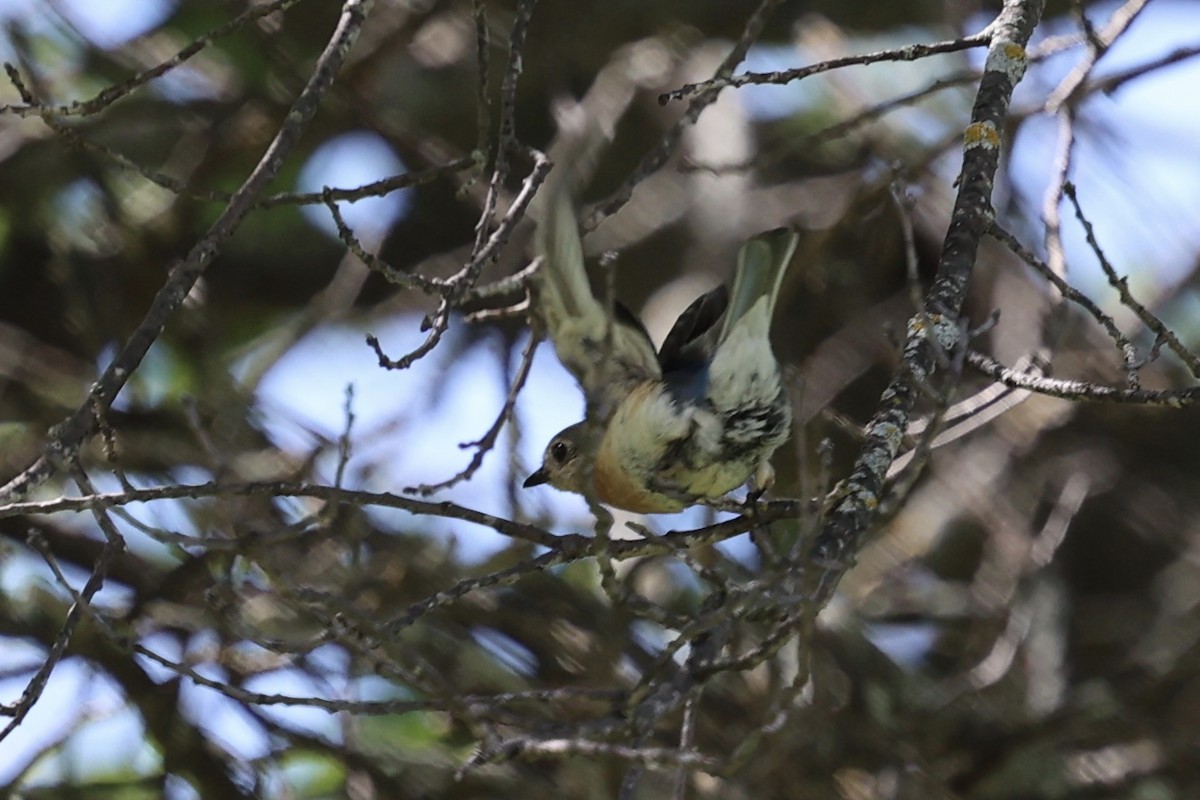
{"x":762,"y":480}
{"x":759,"y":532}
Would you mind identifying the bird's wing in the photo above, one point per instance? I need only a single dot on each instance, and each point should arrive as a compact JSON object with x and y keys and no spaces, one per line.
{"x":685,"y":345}
{"x":687,"y":353}
{"x":605,"y":350}
{"x":762,"y":262}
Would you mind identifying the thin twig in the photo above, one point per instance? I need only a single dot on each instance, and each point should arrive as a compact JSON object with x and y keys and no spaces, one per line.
{"x":1080,"y":390}
{"x":912,"y":52}
{"x":484,"y":444}
{"x":69,"y":435}
{"x":111,"y":94}
{"x":1150,"y":320}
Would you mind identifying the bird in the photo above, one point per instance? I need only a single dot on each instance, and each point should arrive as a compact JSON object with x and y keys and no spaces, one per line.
{"x":670,"y":427}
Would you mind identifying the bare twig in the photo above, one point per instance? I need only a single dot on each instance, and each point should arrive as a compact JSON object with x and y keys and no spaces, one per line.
{"x":67,"y":437}
{"x":911,"y":52}
{"x":484,"y":444}
{"x":111,"y":94}
{"x":1080,"y":390}
{"x":658,"y":156}
{"x":1150,"y":320}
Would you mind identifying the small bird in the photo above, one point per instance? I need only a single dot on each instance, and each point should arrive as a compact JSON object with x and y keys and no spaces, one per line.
{"x":689,"y":422}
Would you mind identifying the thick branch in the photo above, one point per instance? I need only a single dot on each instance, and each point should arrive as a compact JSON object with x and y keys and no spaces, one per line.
{"x":854,"y":515}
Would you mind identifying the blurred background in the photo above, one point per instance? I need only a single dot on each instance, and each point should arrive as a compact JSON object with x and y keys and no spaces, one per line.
{"x":1025,"y":623}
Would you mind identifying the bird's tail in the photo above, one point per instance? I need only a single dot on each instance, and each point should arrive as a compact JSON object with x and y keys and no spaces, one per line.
{"x":762,"y":262}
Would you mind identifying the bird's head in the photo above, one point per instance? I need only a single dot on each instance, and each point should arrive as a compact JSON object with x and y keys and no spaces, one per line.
{"x":562,"y":462}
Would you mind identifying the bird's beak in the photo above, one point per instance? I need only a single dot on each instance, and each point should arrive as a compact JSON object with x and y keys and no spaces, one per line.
{"x":536,"y":479}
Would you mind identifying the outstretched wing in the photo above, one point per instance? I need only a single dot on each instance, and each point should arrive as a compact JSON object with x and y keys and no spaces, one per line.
{"x":605,"y":350}
{"x":762,"y":263}
{"x":685,"y":353}
{"x":685,"y":345}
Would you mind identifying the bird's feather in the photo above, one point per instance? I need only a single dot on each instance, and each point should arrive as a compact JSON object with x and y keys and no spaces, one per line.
{"x":685,"y":346}
{"x":606,"y":351}
{"x":762,"y":263}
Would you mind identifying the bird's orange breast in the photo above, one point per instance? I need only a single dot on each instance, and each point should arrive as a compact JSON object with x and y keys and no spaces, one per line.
{"x":617,"y":486}
{"x":614,"y":487}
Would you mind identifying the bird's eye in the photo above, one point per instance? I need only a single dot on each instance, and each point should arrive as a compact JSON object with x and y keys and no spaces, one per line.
{"x":559,"y":451}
